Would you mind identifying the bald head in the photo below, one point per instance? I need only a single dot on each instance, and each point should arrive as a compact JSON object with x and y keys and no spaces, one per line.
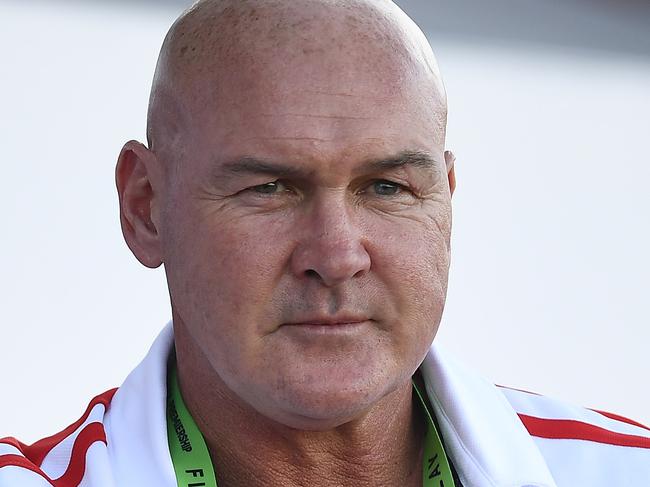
{"x":220,"y":49}
{"x":296,"y":174}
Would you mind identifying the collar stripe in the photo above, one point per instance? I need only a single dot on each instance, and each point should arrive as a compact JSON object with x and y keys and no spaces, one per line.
{"x":567,"y":429}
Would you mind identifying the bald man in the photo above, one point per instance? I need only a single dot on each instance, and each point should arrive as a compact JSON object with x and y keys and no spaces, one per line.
{"x":297,"y":189}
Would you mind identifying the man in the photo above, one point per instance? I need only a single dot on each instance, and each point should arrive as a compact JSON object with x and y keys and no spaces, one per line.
{"x":297,"y":188}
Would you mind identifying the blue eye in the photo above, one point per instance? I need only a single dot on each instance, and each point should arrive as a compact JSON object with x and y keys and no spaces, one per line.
{"x":386,"y":188}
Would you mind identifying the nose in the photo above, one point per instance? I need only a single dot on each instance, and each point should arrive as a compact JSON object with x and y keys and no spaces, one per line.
{"x":331,"y":248}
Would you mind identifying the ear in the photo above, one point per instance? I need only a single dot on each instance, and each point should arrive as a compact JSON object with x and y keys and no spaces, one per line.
{"x":136,"y":175}
{"x":450,"y":160}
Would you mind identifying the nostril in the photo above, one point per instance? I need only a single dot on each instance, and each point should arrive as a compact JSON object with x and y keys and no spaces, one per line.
{"x":361,"y":272}
{"x":312,"y":273}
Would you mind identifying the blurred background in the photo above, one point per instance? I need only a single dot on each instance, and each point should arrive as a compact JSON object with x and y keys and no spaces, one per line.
{"x":550,"y":122}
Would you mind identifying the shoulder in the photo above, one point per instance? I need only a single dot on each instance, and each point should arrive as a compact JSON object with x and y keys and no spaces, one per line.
{"x":584,"y":446}
{"x":60,"y":460}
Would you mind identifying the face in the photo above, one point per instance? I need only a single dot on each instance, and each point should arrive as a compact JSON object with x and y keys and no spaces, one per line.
{"x":306,"y":234}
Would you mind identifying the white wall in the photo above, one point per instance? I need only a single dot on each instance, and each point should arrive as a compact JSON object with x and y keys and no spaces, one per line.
{"x":550,"y":277}
{"x":551,"y":273}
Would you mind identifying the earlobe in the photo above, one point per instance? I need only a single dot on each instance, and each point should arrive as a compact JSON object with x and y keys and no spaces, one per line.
{"x":136,"y":177}
{"x":450,"y":160}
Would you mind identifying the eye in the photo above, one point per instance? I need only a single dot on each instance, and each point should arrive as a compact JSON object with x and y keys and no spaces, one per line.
{"x":272,"y":187}
{"x":386,"y":188}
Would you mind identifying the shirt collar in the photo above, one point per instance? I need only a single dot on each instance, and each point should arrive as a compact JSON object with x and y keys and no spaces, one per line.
{"x":483,"y":435}
{"x":135,"y":423}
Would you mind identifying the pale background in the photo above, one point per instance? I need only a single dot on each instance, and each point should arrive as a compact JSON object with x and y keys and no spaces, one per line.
{"x":550,"y":121}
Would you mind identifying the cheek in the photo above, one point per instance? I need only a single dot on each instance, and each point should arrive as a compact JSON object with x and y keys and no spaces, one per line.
{"x":222,"y":273}
{"x":221,"y":282}
{"x":411,"y":259}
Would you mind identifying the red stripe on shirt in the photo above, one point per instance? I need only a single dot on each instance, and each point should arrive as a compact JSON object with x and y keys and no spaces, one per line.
{"x":13,"y":442}
{"x":37,"y":452}
{"x":568,"y":429}
{"x":73,"y":475}
{"x":91,"y":434}
{"x":613,"y":416}
{"x":622,"y":419}
{"x":22,"y":462}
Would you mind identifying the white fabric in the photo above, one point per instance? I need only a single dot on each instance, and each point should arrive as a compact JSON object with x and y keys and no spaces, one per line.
{"x":485,"y":439}
{"x":56,"y":463}
{"x":487,"y":443}
{"x":8,"y":449}
{"x":546,"y":407}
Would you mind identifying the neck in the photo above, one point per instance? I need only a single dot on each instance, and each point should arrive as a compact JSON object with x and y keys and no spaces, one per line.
{"x":383,"y":446}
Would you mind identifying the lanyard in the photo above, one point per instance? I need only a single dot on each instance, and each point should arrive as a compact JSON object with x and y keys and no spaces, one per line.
{"x":187,"y":447}
{"x":193,"y":466}
{"x":436,"y":471}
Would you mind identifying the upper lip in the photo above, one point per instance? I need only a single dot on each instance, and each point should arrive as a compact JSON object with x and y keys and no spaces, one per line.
{"x":329,"y":320}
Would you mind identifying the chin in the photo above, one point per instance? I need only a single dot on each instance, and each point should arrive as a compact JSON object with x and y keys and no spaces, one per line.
{"x":326,"y":413}
{"x":323,"y":403}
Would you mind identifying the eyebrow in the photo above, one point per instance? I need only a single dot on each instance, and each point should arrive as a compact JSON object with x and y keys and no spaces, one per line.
{"x":419,"y":159}
{"x":253,"y":165}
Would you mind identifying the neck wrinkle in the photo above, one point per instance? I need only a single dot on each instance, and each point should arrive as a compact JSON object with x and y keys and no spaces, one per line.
{"x":382,"y":448}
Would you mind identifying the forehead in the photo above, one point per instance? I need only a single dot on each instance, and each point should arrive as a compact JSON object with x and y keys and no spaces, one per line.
{"x":327,"y":89}
{"x":313,"y":125}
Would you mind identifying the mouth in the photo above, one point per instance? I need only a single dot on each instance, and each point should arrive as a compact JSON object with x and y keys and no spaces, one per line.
{"x":325,"y":325}
{"x":338,"y":320}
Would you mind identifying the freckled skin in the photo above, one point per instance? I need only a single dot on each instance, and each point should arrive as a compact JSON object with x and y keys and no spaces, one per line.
{"x":386,"y":252}
{"x":322,"y":87}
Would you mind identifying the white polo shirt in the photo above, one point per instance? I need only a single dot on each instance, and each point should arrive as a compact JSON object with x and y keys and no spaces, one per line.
{"x":494,"y":436}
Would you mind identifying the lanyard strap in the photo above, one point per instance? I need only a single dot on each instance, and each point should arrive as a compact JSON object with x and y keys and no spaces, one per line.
{"x":436,"y":471}
{"x":187,"y":447}
{"x":193,"y":466}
